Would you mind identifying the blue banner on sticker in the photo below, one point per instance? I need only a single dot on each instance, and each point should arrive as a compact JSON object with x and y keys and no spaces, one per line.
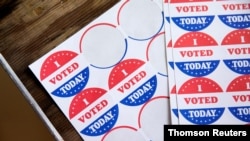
{"x":74,"y":85}
{"x":203,"y":116}
{"x":103,"y":124}
{"x":193,"y":23}
{"x":141,"y":94}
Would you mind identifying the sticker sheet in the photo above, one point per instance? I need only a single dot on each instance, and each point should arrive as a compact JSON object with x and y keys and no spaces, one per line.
{"x":110,"y":78}
{"x":210,"y":57}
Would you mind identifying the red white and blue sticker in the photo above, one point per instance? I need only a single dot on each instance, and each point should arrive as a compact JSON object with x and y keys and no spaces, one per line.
{"x":130,"y":75}
{"x":91,"y":103}
{"x":59,"y":70}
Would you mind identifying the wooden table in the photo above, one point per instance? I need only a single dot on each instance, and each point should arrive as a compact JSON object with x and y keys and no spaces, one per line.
{"x":31,"y":28}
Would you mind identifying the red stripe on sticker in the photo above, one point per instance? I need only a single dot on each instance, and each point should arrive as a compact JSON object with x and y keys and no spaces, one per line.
{"x":123,"y":70}
{"x":199,"y":85}
{"x":181,"y":1}
{"x":84,"y":99}
{"x":55,"y":61}
{"x":195,"y":39}
{"x":241,"y":83}
{"x":241,"y":36}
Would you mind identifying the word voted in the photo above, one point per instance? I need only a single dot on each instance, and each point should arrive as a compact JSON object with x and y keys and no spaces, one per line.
{"x":241,"y":98}
{"x":239,"y":51}
{"x":134,"y":80}
{"x":63,"y":73}
{"x":196,"y":53}
{"x":240,"y":6}
{"x":93,"y":111}
{"x":195,"y":8}
{"x":201,"y":100}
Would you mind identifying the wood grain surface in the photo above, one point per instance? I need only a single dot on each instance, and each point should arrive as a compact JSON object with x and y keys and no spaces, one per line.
{"x":31,"y":28}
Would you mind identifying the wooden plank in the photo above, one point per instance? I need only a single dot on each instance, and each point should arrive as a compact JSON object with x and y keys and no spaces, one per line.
{"x":31,"y":28}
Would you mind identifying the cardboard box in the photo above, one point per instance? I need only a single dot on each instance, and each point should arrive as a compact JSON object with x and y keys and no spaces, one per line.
{"x":21,"y":117}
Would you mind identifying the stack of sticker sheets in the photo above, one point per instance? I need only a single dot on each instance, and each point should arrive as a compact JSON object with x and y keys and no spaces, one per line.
{"x":144,"y":64}
{"x":208,"y":58}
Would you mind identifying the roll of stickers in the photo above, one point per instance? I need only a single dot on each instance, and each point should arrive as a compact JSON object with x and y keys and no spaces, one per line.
{"x":110,"y":78}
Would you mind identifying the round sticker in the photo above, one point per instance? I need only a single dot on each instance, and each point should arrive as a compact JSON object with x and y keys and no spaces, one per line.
{"x":103,"y":45}
{"x":151,"y":118}
{"x":95,"y":110}
{"x":141,"y":23}
{"x":156,"y":52}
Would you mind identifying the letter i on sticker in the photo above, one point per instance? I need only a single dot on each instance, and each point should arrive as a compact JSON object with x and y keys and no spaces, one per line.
{"x":248,"y":85}
{"x":195,"y":42}
{"x":124,"y":72}
{"x":199,"y":88}
{"x":57,"y":64}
